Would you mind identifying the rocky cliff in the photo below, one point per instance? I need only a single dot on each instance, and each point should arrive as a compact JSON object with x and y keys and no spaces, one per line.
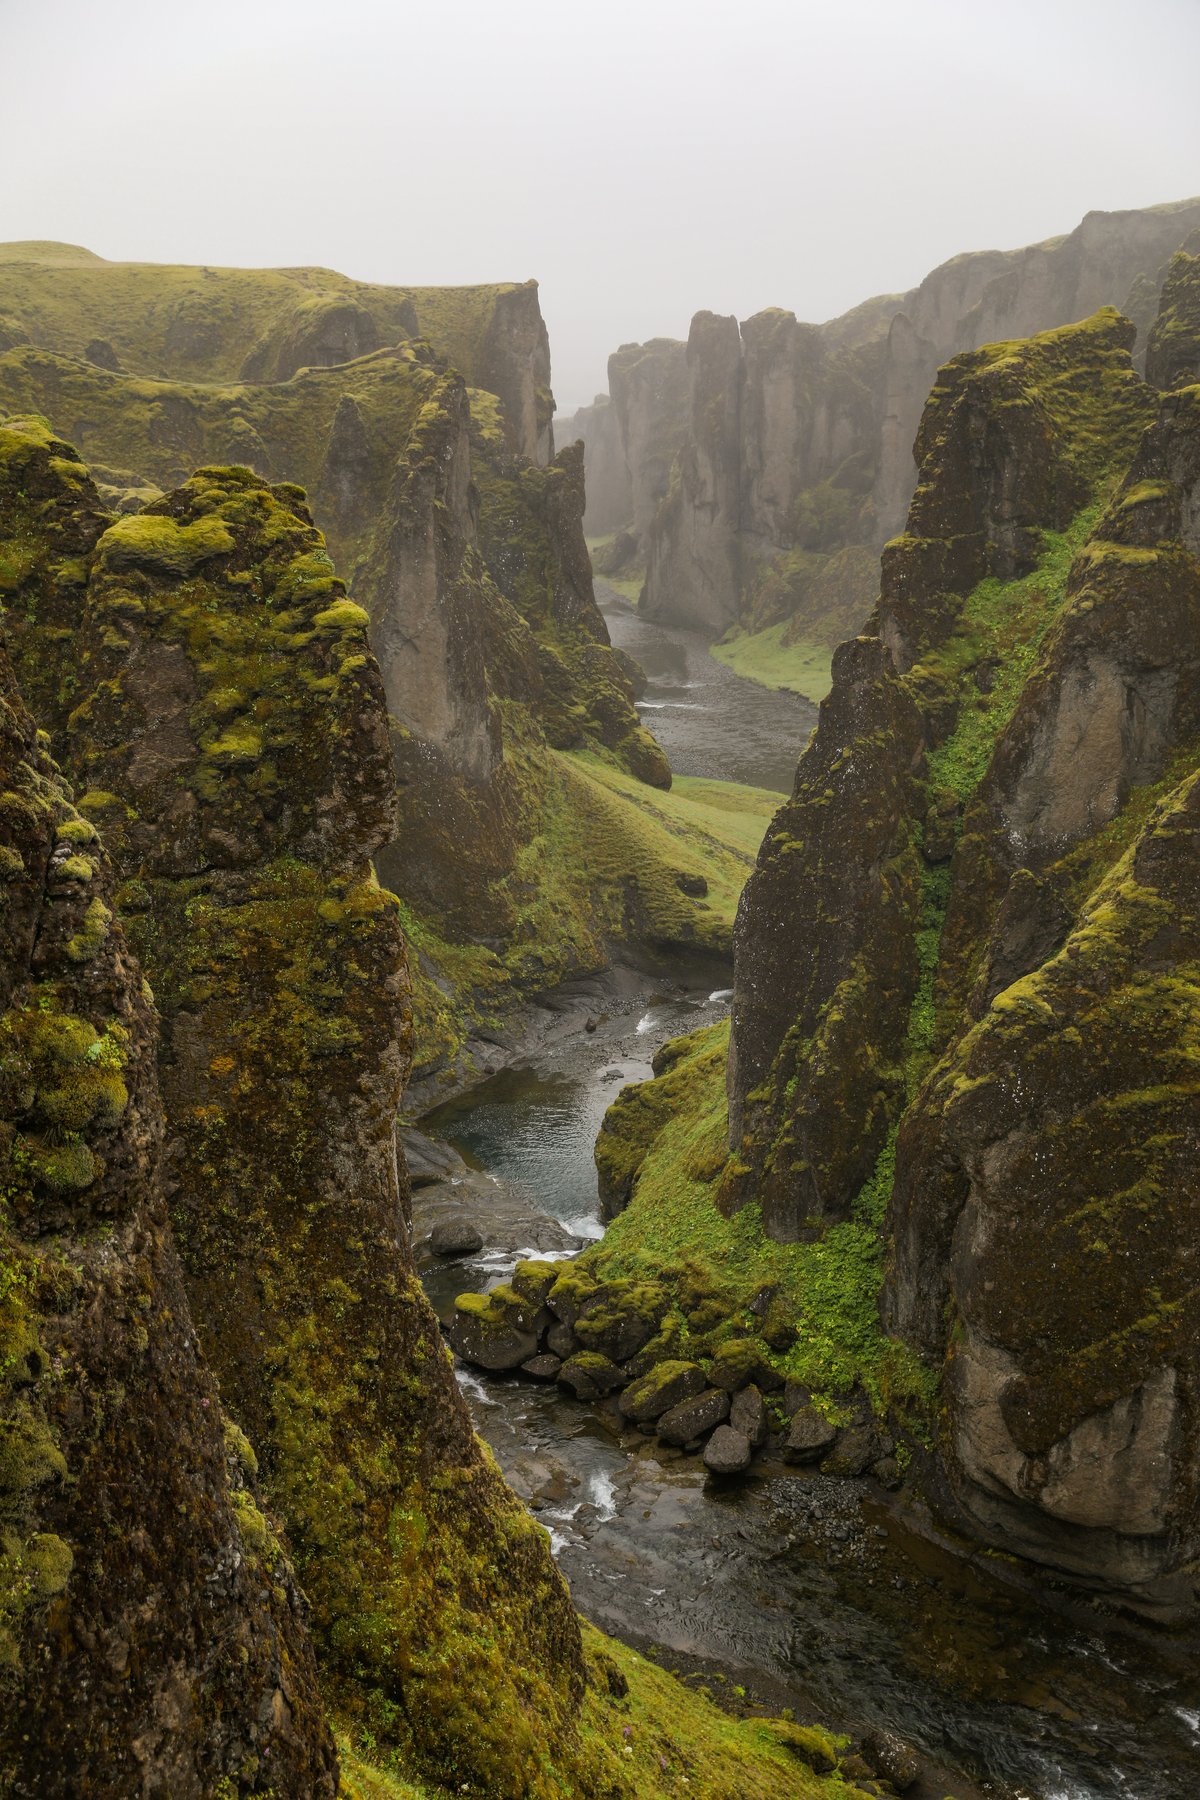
{"x":988,"y":857}
{"x":180,"y":323}
{"x":211,"y":685}
{"x":153,"y":1638}
{"x":791,"y":463}
{"x":471,"y":562}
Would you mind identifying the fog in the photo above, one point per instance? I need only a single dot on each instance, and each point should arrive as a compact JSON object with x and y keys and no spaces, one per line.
{"x":640,"y":159}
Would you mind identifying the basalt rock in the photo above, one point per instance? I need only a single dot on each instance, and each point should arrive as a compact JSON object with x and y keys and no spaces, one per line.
{"x":783,"y":459}
{"x":691,"y":1420}
{"x":1173,"y":351}
{"x":152,"y":1635}
{"x":230,"y":730}
{"x":727,"y":1451}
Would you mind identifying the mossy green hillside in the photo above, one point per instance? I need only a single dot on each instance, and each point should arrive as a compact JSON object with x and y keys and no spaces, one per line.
{"x":606,"y":861}
{"x":216,"y":325}
{"x":667,"y":1142}
{"x":651,"y":1736}
{"x":774,"y":660}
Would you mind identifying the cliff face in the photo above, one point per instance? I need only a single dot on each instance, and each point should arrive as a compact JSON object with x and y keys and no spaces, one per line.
{"x":152,"y":1636}
{"x":188,"y":324}
{"x":792,"y":462}
{"x":471,"y":562}
{"x":229,"y":726}
{"x":966,"y":967}
{"x":609,"y":500}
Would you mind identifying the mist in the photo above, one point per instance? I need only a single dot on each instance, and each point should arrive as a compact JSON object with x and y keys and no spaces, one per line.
{"x":641,"y":160}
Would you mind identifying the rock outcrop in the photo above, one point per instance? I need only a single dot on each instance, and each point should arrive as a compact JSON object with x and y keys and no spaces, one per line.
{"x":966,"y":965}
{"x":230,"y":728}
{"x":789,"y":463}
{"x":153,"y":1638}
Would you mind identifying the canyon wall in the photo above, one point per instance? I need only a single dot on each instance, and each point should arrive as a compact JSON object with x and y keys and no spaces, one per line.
{"x":966,"y":965}
{"x":792,"y":461}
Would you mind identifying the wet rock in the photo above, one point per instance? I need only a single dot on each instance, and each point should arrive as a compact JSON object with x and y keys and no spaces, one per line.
{"x":664,"y":1387}
{"x":428,"y":1160}
{"x":590,"y":1377}
{"x":856,"y":1450}
{"x":808,"y":1437}
{"x":533,"y":1279}
{"x":748,"y":1414}
{"x":561,"y":1340}
{"x":481,"y":1333}
{"x":691,"y":1420}
{"x":542,"y":1368}
{"x":892,"y":1758}
{"x":727,"y":1451}
{"x":455,"y":1237}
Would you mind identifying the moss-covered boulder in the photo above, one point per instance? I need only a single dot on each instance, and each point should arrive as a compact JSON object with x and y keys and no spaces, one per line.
{"x":484,"y":1332}
{"x":590,"y":1376}
{"x":689,"y":1421}
{"x":666,"y":1385}
{"x":1173,"y":349}
{"x":622,"y":1318}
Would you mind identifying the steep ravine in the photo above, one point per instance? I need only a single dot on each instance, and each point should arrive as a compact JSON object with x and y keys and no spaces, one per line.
{"x":807,"y":1591}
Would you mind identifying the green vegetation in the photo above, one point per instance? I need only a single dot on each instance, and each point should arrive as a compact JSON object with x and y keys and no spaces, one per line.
{"x":801,"y":666}
{"x":608,"y":859}
{"x":674,"y":1230}
{"x":644,"y":1734}
{"x":1001,"y":629}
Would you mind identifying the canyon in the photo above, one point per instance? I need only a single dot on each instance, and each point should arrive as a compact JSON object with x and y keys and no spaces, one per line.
{"x":340,"y":834}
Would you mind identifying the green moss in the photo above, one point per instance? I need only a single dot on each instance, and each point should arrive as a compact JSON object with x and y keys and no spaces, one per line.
{"x":798,"y":665}
{"x":161,"y":545}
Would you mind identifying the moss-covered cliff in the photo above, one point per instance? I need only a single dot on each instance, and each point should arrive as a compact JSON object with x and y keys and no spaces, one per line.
{"x":470,"y":560}
{"x":152,"y":1635}
{"x":993,"y":1019}
{"x":227,"y":721}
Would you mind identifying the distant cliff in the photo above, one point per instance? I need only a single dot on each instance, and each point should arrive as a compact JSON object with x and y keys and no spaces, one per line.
{"x":788,"y":463}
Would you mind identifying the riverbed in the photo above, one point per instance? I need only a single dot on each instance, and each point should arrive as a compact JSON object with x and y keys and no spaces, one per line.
{"x":805,"y":1591}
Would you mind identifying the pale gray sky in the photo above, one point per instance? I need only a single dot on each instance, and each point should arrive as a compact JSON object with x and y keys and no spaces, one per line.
{"x":642,"y":158}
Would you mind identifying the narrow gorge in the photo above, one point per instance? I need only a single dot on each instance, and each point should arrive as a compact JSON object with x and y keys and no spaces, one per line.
{"x":600,"y":1038}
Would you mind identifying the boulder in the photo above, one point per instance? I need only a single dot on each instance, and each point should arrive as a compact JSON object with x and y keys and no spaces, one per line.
{"x":892,"y":1758}
{"x":854,"y":1452}
{"x":664,"y":1387}
{"x":482,"y":1333}
{"x":590,"y":1377}
{"x":561,"y":1340}
{"x":740,"y":1361}
{"x":691,"y":1420}
{"x":808,"y":1437}
{"x":533,"y":1279}
{"x":727,"y":1451}
{"x":455,"y":1237}
{"x":748,"y":1414}
{"x":621,"y":1318}
{"x":542,"y":1368}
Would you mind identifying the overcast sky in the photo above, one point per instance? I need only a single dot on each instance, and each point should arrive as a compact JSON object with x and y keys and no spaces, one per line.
{"x":642,"y":158}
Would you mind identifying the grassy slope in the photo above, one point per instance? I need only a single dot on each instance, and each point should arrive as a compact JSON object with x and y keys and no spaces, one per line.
{"x":199,"y":323}
{"x":829,"y":1289}
{"x":678,"y":1742}
{"x":601,"y":868}
{"x":762,"y":656}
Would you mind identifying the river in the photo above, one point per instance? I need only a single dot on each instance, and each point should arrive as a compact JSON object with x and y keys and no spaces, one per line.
{"x":808,"y":1592}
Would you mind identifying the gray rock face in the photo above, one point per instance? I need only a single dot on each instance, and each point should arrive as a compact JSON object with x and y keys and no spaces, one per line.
{"x":727,"y":1451}
{"x":455,"y":1237}
{"x":688,"y":1422}
{"x":783,"y":435}
{"x":809,"y":1436}
{"x":748,"y":1414}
